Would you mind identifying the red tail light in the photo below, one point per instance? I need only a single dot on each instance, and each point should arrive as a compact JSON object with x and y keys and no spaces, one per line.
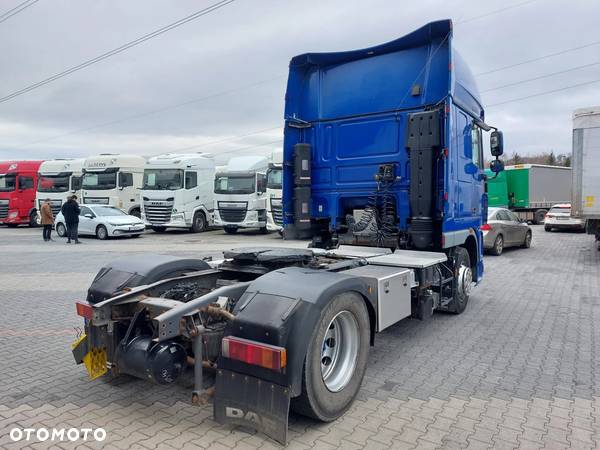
{"x":255,"y":353}
{"x":549,"y":216}
{"x":84,"y":310}
{"x":486,"y":227}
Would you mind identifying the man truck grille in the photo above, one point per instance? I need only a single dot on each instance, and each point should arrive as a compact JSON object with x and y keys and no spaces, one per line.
{"x":277,"y":212}
{"x":232,"y":215}
{"x":158,"y":211}
{"x":3,"y":209}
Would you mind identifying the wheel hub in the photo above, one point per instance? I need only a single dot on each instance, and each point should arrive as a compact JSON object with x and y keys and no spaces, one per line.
{"x":465,"y":280}
{"x":339,"y":351}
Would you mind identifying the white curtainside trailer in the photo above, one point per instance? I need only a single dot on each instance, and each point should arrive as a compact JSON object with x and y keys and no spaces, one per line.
{"x":586,"y":168}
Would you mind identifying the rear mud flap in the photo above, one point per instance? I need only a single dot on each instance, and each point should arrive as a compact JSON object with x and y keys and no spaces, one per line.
{"x":251,"y":402}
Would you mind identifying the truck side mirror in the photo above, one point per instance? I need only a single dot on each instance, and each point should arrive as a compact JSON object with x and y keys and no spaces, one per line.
{"x":496,"y":143}
{"x":497,"y":166}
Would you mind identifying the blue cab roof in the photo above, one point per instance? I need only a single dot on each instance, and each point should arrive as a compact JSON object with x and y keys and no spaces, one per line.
{"x":418,"y":69}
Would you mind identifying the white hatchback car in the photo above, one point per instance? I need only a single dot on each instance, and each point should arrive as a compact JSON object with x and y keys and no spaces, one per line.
{"x":559,"y":218}
{"x":103,"y":222}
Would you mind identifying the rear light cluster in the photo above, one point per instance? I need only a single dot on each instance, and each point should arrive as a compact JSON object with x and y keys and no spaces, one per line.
{"x":549,"y":216}
{"x":84,"y":310}
{"x":486,"y":227}
{"x":255,"y":353}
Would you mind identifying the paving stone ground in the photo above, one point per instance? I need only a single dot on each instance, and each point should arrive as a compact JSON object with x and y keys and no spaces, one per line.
{"x":520,"y":368}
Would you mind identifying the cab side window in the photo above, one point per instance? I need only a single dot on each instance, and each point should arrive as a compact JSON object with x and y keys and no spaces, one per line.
{"x":75,"y":183}
{"x":191,"y":180}
{"x":25,"y":183}
{"x":476,"y":146}
{"x":125,"y":179}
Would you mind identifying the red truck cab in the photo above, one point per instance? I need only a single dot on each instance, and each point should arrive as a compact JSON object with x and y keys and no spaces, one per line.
{"x":18,"y":181}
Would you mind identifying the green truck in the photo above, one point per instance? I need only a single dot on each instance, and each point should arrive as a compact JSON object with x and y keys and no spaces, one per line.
{"x":529,"y":189}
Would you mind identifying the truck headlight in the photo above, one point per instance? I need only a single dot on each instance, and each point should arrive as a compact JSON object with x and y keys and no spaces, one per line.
{"x":13,"y":214}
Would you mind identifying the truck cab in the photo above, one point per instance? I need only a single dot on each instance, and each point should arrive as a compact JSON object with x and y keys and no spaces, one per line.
{"x":18,"y":180}
{"x":178,"y":192}
{"x":113,"y":179}
{"x":274,"y":193}
{"x":240,"y":194}
{"x":58,"y":179}
{"x":399,"y":162}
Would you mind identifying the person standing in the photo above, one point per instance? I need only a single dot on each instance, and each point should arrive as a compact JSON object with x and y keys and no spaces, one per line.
{"x":47,"y":219}
{"x":70,"y":211}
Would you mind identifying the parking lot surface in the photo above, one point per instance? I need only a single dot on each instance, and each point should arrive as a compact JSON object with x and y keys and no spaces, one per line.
{"x":520,"y":368}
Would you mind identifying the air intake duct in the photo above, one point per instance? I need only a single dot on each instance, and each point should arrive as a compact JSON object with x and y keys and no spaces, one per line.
{"x":423,"y":141}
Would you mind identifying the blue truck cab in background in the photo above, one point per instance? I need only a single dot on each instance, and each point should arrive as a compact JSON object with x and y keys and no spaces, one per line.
{"x":383,"y":146}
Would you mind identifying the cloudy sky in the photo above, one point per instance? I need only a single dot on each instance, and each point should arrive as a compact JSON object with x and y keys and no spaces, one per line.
{"x":217,"y":84}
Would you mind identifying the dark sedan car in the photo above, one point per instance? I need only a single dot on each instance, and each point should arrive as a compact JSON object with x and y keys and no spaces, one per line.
{"x":504,"y":229}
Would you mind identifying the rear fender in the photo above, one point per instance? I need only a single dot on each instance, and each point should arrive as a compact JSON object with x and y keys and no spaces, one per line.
{"x":283,"y":308}
{"x":139,"y":270}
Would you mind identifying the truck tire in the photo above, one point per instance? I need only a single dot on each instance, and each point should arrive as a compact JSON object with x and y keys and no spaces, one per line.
{"x":101,"y":232}
{"x":498,"y":246}
{"x":199,"y":223}
{"x":539,"y":216}
{"x":464,"y":277}
{"x":336,"y":359}
{"x":264,"y":230}
{"x":33,"y":220}
{"x":547,"y":228}
{"x":159,"y":229}
{"x":231,"y":230}
{"x":61,"y":230}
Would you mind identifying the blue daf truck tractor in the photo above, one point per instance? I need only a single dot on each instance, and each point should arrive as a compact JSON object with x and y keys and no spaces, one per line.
{"x":383,"y":170}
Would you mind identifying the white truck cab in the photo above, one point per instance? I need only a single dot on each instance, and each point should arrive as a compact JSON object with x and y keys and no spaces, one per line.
{"x":178,"y":192}
{"x":113,"y":179}
{"x":274,"y":192}
{"x":240,"y":194}
{"x":58,"y":179}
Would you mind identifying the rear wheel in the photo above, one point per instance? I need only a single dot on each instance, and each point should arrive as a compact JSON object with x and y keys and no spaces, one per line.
{"x":335,"y":362}
{"x":61,"y":230}
{"x":33,"y":219}
{"x":463,"y":275}
{"x":547,"y":228}
{"x":527,"y":242}
{"x":498,"y":247}
{"x":231,"y":230}
{"x":159,"y":229}
{"x":539,"y":216}
{"x":101,"y":232}
{"x":199,"y":223}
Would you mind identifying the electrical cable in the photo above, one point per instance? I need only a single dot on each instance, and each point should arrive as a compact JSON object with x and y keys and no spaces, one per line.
{"x":540,"y":77}
{"x":119,"y":49}
{"x":17,"y":9}
{"x":544,"y":93}
{"x":562,"y":52}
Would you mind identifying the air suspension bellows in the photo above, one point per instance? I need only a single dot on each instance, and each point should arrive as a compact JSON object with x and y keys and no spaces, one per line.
{"x":423,"y":143}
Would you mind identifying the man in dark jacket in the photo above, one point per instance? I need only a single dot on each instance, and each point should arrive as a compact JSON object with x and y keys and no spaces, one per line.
{"x":70,"y":211}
